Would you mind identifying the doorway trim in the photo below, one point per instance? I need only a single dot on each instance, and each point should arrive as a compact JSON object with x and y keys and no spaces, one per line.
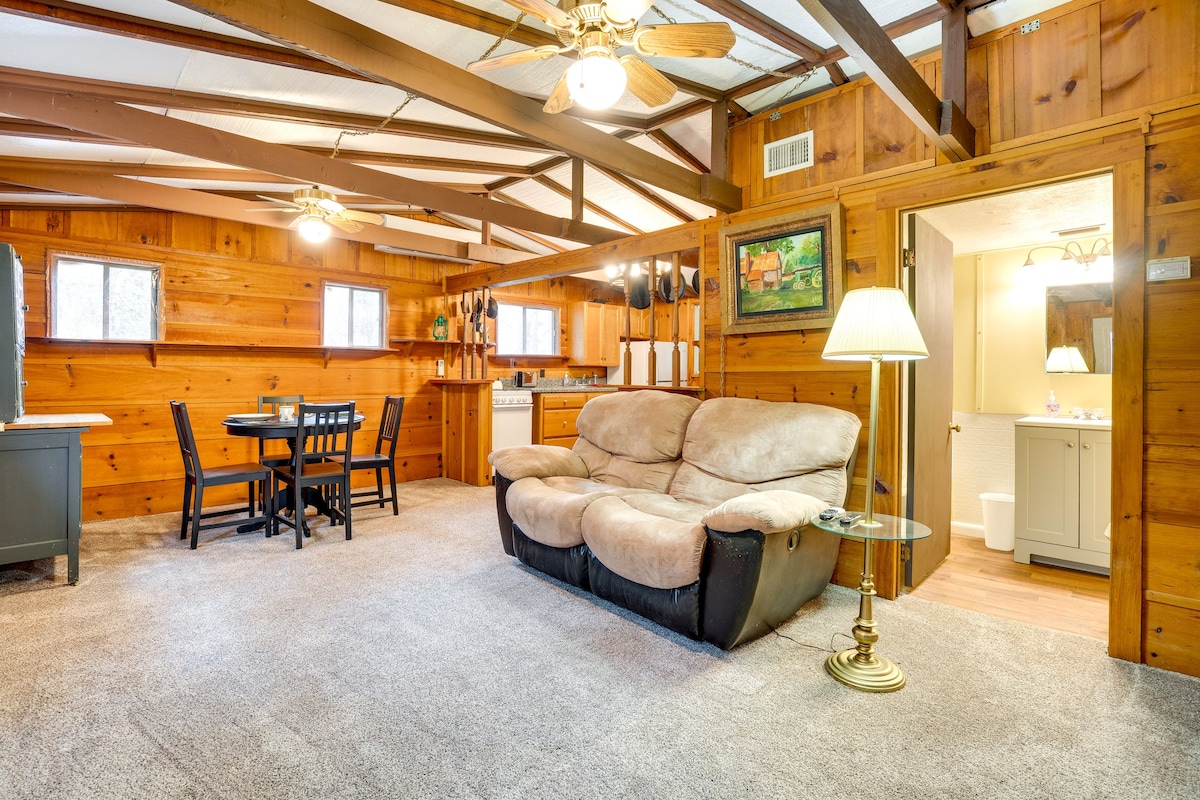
{"x":1125,"y":158}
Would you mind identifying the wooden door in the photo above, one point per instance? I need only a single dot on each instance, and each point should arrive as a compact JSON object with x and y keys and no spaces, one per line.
{"x":931,"y":397}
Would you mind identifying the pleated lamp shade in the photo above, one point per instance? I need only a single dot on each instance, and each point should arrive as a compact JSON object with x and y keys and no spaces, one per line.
{"x":875,"y":322}
{"x":1066,"y":359}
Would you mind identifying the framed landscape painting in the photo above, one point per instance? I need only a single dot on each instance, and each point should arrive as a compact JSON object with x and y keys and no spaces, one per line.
{"x":784,"y":273}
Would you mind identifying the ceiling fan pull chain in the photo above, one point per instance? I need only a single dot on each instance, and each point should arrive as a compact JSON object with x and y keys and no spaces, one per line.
{"x":659,"y":11}
{"x":503,"y":36}
{"x":337,"y":145}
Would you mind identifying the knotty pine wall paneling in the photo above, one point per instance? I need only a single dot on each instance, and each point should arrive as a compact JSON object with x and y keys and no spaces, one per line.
{"x":242,"y":318}
{"x":1104,"y":85}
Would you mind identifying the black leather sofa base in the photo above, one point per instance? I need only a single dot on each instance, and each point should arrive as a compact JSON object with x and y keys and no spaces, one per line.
{"x":749,"y":582}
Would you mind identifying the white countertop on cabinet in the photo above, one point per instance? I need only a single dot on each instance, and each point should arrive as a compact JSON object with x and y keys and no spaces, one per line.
{"x":1066,"y":422}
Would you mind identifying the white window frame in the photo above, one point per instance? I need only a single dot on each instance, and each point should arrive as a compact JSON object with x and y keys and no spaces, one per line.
{"x":154,"y":268}
{"x":379,"y":291}
{"x":525,"y":329}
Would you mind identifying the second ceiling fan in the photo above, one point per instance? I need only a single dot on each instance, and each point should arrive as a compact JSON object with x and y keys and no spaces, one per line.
{"x":596,"y":30}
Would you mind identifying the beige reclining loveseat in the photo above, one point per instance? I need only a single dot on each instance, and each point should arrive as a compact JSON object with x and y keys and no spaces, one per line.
{"x":694,"y":515}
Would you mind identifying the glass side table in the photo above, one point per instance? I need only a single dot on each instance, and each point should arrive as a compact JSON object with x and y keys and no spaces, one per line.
{"x":859,"y":667}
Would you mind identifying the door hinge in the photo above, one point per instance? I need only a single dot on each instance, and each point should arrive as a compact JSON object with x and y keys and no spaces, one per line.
{"x":910,"y":258}
{"x":905,"y":553}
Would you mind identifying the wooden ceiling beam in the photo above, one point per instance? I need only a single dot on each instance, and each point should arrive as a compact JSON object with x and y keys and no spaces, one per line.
{"x":913,"y":22}
{"x":661,"y":203}
{"x":753,"y":20}
{"x":34,"y":130}
{"x":257,"y":109}
{"x":679,"y":151}
{"x":190,"y":201}
{"x":124,"y":122}
{"x":684,"y":237}
{"x":853,"y":27}
{"x":544,"y":242}
{"x":375,"y":56}
{"x":104,"y":21}
{"x":599,"y":211}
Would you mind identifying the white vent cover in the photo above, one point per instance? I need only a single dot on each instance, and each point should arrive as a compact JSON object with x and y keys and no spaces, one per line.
{"x":788,"y":155}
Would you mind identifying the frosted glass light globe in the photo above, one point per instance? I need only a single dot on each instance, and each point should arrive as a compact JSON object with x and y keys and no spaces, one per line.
{"x":596,"y":81}
{"x":313,"y":229}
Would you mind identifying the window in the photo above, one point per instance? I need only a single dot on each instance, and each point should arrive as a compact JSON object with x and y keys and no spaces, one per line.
{"x":527,"y":330}
{"x":94,"y":299}
{"x":353,"y":316}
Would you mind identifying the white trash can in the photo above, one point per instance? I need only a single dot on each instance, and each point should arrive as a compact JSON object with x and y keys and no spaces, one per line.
{"x":999,"y":520}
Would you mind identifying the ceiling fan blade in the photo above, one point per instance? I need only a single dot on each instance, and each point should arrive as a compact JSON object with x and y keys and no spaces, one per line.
{"x":548,"y":13}
{"x":646,"y":83}
{"x":369,"y":217}
{"x":348,"y":225}
{"x":291,"y":205}
{"x":519,"y":57}
{"x":330,"y":205}
{"x":560,"y":98}
{"x":686,"y":40}
{"x":626,"y":10}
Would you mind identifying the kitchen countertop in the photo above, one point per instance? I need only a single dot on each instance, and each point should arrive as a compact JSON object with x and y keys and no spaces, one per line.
{"x":1066,"y":422}
{"x":590,"y":387}
{"x":48,"y":421}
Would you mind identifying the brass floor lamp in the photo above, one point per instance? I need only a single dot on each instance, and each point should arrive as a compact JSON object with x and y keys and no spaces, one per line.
{"x":873,"y":325}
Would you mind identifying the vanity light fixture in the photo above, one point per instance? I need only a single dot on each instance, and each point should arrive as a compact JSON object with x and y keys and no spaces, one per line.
{"x":1073,"y":251}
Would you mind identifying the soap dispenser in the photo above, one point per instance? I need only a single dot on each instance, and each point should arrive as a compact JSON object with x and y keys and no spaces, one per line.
{"x":1052,"y":406}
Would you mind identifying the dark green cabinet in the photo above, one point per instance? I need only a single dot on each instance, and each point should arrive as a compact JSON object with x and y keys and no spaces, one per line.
{"x":41,"y":494}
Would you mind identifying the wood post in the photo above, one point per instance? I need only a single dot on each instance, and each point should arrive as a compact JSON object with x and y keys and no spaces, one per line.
{"x":677,"y":283}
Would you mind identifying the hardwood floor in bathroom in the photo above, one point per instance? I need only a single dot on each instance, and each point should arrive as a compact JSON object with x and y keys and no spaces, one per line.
{"x":990,"y":582}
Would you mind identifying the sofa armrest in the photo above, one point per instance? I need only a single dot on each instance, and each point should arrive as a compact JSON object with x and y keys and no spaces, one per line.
{"x":537,"y":461}
{"x":773,"y":511}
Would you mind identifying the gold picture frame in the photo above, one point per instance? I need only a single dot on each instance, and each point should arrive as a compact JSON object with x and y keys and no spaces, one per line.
{"x":785,"y":273}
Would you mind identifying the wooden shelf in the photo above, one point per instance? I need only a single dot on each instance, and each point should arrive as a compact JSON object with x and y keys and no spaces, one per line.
{"x":153,"y":348}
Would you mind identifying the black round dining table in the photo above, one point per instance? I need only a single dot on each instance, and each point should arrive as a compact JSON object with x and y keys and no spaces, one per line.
{"x":275,"y":428}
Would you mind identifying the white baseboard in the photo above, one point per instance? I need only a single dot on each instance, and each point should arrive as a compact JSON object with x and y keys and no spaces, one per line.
{"x":966,"y":529}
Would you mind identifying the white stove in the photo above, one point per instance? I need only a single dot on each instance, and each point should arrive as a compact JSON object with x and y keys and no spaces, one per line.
{"x":512,"y":418}
{"x":512,"y":397}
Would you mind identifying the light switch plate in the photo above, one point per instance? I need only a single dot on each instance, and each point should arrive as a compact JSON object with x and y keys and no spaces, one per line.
{"x":1169,"y":269}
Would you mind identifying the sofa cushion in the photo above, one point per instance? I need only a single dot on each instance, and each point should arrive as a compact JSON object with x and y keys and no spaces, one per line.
{"x":694,"y":485}
{"x":644,"y":548}
{"x":644,"y":426}
{"x":549,"y":511}
{"x":607,"y":468}
{"x":754,"y":441}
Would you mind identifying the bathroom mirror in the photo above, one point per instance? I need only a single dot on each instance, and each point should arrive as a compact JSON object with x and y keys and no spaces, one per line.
{"x":1080,"y":316}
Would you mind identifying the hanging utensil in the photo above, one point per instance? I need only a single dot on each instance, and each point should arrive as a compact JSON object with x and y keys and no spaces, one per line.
{"x":493,"y":308}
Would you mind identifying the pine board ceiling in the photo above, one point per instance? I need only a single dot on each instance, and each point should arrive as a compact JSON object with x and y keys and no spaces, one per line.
{"x":160,"y":103}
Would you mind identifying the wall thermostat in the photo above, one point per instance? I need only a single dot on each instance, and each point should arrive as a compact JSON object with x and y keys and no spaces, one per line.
{"x":1169,"y":269}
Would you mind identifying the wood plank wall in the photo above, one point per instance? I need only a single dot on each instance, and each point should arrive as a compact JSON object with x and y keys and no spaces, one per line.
{"x":242,"y":318}
{"x":1104,"y":85}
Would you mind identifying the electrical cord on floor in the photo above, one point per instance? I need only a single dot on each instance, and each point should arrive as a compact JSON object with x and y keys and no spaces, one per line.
{"x":817,"y":647}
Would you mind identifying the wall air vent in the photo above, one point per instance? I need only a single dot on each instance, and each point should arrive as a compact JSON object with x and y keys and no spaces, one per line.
{"x":788,"y":155}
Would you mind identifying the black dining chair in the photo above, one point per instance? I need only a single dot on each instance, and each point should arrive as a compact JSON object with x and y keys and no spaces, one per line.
{"x":320,"y":457}
{"x":197,"y":479}
{"x":383,"y":458}
{"x":269,"y":404}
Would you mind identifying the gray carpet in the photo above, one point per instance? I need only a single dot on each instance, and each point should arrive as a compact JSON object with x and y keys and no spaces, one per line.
{"x":418,"y":661}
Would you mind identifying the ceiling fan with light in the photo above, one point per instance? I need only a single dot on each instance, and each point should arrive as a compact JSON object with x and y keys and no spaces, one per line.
{"x":596,"y":30}
{"x":318,"y":210}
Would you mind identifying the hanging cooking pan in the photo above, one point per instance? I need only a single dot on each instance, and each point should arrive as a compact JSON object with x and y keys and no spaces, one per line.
{"x":691,"y":289}
{"x":493,"y":308}
{"x":639,"y":291}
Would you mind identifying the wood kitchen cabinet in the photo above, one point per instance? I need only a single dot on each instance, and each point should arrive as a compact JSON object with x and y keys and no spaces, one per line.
{"x":1063,"y":497}
{"x":554,"y":415}
{"x":596,"y":331}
